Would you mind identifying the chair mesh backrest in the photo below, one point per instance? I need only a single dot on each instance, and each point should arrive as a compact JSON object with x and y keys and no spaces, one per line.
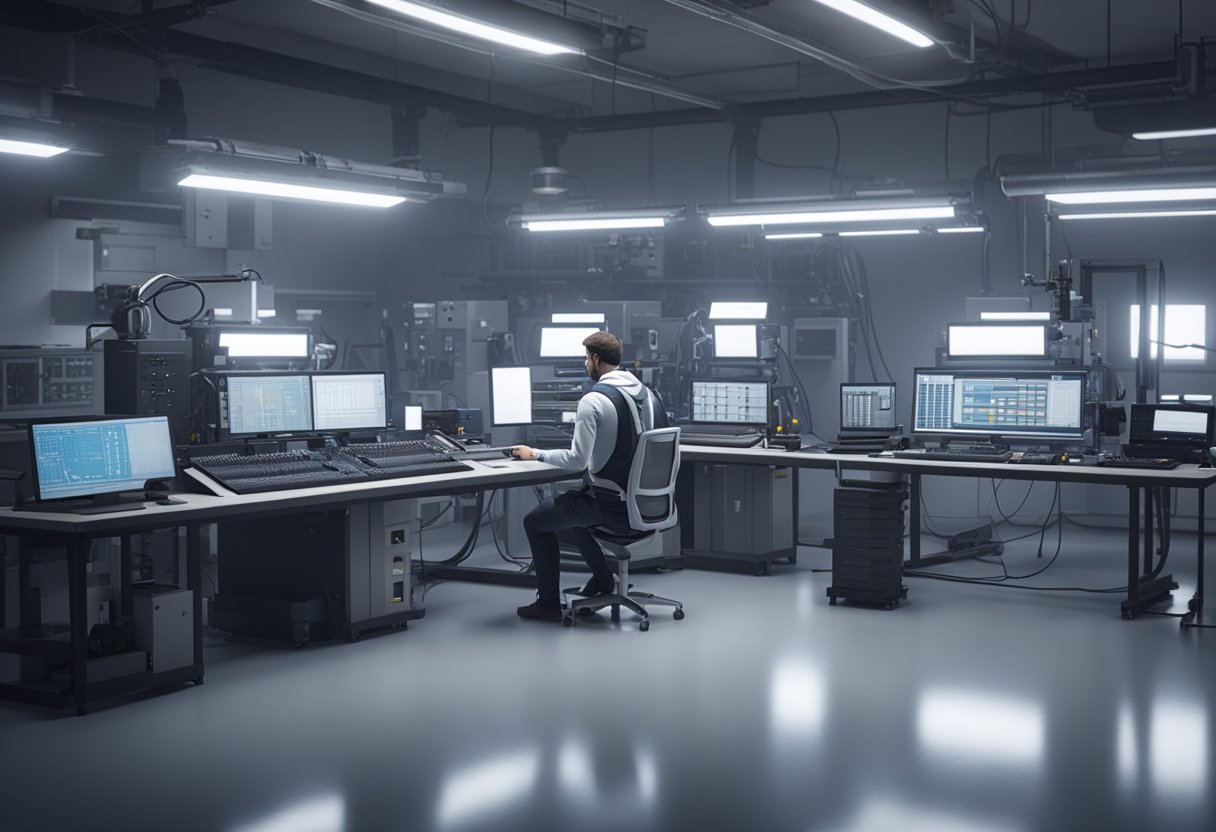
{"x":652,"y":479}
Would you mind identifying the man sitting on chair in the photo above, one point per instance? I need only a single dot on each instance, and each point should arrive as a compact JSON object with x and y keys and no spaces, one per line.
{"x":610,"y":418}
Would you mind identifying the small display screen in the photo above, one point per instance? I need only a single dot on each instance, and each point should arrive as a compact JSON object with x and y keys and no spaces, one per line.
{"x":1168,"y":420}
{"x":867,"y":407}
{"x":348,"y":401}
{"x":730,"y":402}
{"x":736,"y":341}
{"x":269,"y":404}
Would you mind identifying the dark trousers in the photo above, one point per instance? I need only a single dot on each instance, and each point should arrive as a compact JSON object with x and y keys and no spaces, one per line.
{"x":573,"y":512}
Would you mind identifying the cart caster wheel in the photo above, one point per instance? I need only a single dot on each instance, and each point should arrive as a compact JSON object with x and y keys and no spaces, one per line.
{"x":353,"y":638}
{"x":793,"y":559}
{"x":198,"y":680}
{"x":891,"y":605}
{"x":678,"y":615}
{"x":567,"y":620}
{"x":1192,"y":604}
{"x":644,"y":626}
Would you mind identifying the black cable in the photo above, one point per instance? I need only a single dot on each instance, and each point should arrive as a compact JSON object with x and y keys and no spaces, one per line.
{"x":89,"y":342}
{"x":177,"y":284}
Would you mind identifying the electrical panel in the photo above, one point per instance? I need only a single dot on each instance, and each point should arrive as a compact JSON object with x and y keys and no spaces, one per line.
{"x":150,"y":378}
{"x":447,"y":342}
{"x":49,"y":382}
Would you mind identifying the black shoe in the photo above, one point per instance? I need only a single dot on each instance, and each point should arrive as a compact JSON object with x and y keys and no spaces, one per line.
{"x":536,"y":611}
{"x":596,"y":587}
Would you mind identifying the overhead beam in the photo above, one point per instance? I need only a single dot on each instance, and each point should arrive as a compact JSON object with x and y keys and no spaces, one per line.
{"x":251,"y":62}
{"x":1130,"y":74}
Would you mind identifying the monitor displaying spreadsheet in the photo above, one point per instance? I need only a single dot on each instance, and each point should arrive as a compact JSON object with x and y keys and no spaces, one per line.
{"x":104,"y":456}
{"x":268,"y":404}
{"x":1025,"y":403}
{"x":730,"y":402}
{"x":348,"y":401}
{"x":867,"y":406}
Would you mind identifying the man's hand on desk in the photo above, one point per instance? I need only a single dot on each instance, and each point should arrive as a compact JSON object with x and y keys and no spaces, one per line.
{"x":523,"y":452}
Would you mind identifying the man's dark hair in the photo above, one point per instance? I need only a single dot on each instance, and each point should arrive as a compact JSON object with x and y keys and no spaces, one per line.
{"x":606,"y":345}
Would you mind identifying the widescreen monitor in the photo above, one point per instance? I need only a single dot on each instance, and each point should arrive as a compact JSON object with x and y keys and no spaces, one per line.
{"x":736,"y":341}
{"x":565,"y":341}
{"x":730,"y":403}
{"x":103,"y":456}
{"x":867,"y":407}
{"x":348,"y":401}
{"x":264,"y":404}
{"x":1045,"y":404}
{"x":510,"y":396}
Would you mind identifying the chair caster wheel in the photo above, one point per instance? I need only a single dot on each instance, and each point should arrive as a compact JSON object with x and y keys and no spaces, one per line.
{"x":567,"y":620}
{"x":586,"y":612}
{"x":644,"y":626}
{"x":678,"y":615}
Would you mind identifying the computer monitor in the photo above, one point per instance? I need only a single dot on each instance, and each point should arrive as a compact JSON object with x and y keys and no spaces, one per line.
{"x":565,"y":341}
{"x":74,"y":459}
{"x":867,"y":407}
{"x":348,"y":401}
{"x":266,"y":343}
{"x":997,"y":339}
{"x":510,"y":396}
{"x":736,"y":341}
{"x":1034,"y":404}
{"x":262,"y":404}
{"x":1188,"y":425}
{"x":730,"y":403}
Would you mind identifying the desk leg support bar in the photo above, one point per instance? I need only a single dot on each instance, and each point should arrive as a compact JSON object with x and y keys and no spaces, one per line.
{"x":78,"y":650}
{"x":1142,"y":591}
{"x":1195,"y":605}
{"x":914,"y":519}
{"x":194,"y":580}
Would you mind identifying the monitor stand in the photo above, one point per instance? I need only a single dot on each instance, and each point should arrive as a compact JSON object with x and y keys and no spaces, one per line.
{"x":100,"y":504}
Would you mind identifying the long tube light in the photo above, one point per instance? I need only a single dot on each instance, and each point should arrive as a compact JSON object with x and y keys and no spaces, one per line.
{"x":1117,"y":215}
{"x":962,"y":229}
{"x":474,"y":28}
{"x":284,"y":190}
{"x":875,"y":18}
{"x":799,"y":235}
{"x":638,"y":219}
{"x":882,"y":232}
{"x":1133,"y":195}
{"x":1155,"y":135}
{"x":36,"y":149}
{"x":803,"y":215}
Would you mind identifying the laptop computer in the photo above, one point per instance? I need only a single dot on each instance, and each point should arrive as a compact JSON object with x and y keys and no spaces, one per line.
{"x":727,"y":413}
{"x":867,"y":417}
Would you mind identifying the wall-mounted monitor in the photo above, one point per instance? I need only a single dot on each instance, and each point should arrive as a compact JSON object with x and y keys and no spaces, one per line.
{"x":349,"y":401}
{"x":74,"y":459}
{"x":997,"y":340}
{"x":1045,"y":404}
{"x":510,"y":396}
{"x":578,"y":317}
{"x":736,"y":341}
{"x":738,"y":310}
{"x":565,"y":341}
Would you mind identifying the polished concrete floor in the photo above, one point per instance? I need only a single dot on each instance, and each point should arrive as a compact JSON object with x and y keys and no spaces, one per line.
{"x":968,"y":708}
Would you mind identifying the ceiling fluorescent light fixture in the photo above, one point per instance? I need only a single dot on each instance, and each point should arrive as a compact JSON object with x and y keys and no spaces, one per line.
{"x":1015,"y":316}
{"x":1140,"y":215}
{"x":640,"y":220}
{"x":473,"y":28}
{"x":36,"y":149}
{"x":578,"y":318}
{"x":964,"y":229}
{"x":875,"y":18}
{"x":285,"y":190}
{"x":1156,"y":135}
{"x":1132,"y":195}
{"x":828,"y":211}
{"x":882,"y":232}
{"x":800,"y":235}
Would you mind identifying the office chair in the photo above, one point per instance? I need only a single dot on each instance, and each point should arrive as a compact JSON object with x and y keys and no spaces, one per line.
{"x":651,"y":503}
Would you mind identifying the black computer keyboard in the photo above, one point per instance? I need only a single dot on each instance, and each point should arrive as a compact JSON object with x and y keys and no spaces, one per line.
{"x":255,"y":473}
{"x":1139,"y":462}
{"x":972,"y":454}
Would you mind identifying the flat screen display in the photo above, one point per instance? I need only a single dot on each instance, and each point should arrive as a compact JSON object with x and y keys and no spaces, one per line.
{"x":83,"y":459}
{"x":867,"y":407}
{"x":246,"y":344}
{"x":736,"y":341}
{"x":564,"y":341}
{"x":354,"y":401}
{"x":1044,"y":404}
{"x":996,"y":340}
{"x":269,"y":404}
{"x":510,"y":396}
{"x":730,"y":402}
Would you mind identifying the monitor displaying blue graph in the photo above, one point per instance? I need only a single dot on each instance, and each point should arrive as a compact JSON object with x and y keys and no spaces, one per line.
{"x":265,"y":404}
{"x":83,"y":459}
{"x":1026,"y":403}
